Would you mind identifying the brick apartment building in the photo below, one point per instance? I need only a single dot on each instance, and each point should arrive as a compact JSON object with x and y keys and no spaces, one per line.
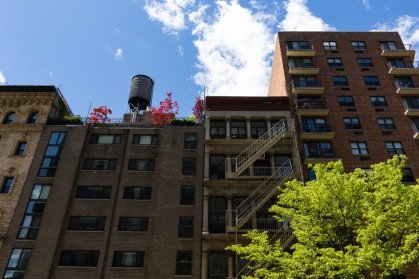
{"x":131,"y":199}
{"x":355,"y":95}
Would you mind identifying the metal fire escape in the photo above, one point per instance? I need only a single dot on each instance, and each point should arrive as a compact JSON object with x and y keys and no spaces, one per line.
{"x":237,"y":217}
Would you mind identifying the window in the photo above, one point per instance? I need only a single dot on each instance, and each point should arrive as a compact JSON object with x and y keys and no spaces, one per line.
{"x":300,"y":63}
{"x":396,"y":63}
{"x":408,"y":175}
{"x":371,"y":81}
{"x":318,"y":150}
{"x":93,"y":192}
{"x":334,"y":62}
{"x":20,"y":148}
{"x":330,"y":45}
{"x":218,"y":129}
{"x":340,"y":81}
{"x":78,"y":258}
{"x":32,"y":118}
{"x":304,"y":81}
{"x":9,"y":118}
{"x":128,"y":259}
{"x":311,"y":175}
{"x":411,"y":102}
{"x":190,"y":140}
{"x":145,"y":139}
{"x":187,"y":195}
{"x":217,"y":167}
{"x":217,"y":265}
{"x":7,"y":183}
{"x":217,"y":214}
{"x":386,"y":123}
{"x":359,"y":148}
{"x":189,"y":166}
{"x":138,"y":224}
{"x":34,"y":211}
{"x":52,"y":154}
{"x":388,"y":45}
{"x":257,"y":128}
{"x":238,"y":129}
{"x":184,"y":263}
{"x":352,"y":123}
{"x":378,"y":101}
{"x":297,"y":45}
{"x":83,"y":223}
{"x":394,"y":148}
{"x":312,"y":125}
{"x":359,"y":45}
{"x":17,"y":263}
{"x":185,"y":227}
{"x":99,"y":164}
{"x":364,"y":62}
{"x":346,"y":101}
{"x":137,"y":193}
{"x":141,"y":165}
{"x":404,"y":81}
{"x":105,"y":139}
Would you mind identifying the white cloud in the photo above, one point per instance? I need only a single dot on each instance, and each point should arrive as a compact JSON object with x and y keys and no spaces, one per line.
{"x":300,"y":18}
{"x":180,"y":50}
{"x":118,"y":54}
{"x":234,"y":50}
{"x":116,"y":30}
{"x":2,"y":78}
{"x":171,"y":13}
{"x":408,"y":28}
{"x":366,"y":3}
{"x":51,"y":74}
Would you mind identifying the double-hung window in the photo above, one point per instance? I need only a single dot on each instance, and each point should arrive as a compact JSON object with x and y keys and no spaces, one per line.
{"x":394,"y":147}
{"x":79,"y":258}
{"x":346,"y":101}
{"x":137,"y":193}
{"x":238,"y":129}
{"x":359,"y":148}
{"x":330,"y":45}
{"x":141,"y":165}
{"x":340,"y":81}
{"x":364,"y":62}
{"x":7,"y":183}
{"x":389,"y":45}
{"x":386,"y":123}
{"x":105,"y":139}
{"x":218,"y":129}
{"x":297,"y":45}
{"x":352,"y":123}
{"x":93,"y":192}
{"x":304,"y":81}
{"x":185,"y":227}
{"x":184,"y":263}
{"x":359,"y":45}
{"x":190,"y":140}
{"x":145,"y":139}
{"x":187,"y":195}
{"x":189,"y":166}
{"x":99,"y":164}
{"x":378,"y":101}
{"x":86,"y":223}
{"x":139,"y":224}
{"x":18,"y":262}
{"x":335,"y":62}
{"x":371,"y":81}
{"x":128,"y":259}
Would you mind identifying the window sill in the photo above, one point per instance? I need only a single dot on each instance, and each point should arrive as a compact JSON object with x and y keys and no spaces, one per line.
{"x":77,"y":266}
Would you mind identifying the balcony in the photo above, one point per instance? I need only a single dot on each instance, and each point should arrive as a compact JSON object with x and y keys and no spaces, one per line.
{"x":319,"y":155}
{"x":303,"y":69}
{"x":416,"y":130}
{"x":317,"y":132}
{"x":401,"y":69}
{"x":408,"y":51}
{"x":406,"y":88}
{"x":311,"y":107}
{"x":307,"y":88}
{"x":411,"y":109}
{"x":300,"y":52}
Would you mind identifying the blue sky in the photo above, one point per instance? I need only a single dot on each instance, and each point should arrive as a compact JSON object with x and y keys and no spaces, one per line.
{"x":91,"y":49}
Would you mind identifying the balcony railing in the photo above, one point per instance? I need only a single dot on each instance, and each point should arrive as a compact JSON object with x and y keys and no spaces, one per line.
{"x":300,"y":49}
{"x":406,"y":46}
{"x":292,"y":65}
{"x":307,"y":104}
{"x":408,"y":105}
{"x":320,"y":153}
{"x":306,"y":84}
{"x":317,"y":128}
{"x":404,"y":84}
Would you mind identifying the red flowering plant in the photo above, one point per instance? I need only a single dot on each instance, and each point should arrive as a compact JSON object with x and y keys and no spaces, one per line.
{"x":166,"y":112}
{"x":199,"y":109}
{"x":100,"y":115}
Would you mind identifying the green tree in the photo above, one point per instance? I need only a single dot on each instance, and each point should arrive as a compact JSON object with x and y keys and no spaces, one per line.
{"x":346,"y":225}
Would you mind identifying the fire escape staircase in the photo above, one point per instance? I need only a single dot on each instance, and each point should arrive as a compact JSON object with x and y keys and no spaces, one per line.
{"x":259,"y":147}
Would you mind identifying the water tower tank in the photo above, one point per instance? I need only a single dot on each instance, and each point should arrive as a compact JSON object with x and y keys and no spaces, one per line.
{"x":141,"y":92}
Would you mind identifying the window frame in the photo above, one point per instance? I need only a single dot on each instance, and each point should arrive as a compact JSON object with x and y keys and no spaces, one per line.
{"x":33,"y":117}
{"x":392,"y":149}
{"x":76,"y":223}
{"x":359,"y":45}
{"x":350,"y":123}
{"x":328,"y":45}
{"x":185,"y":198}
{"x":50,"y":162}
{"x":105,"y":193}
{"x":340,"y":80}
{"x":69,"y":258}
{"x":145,"y":195}
{"x":191,"y":169}
{"x":154,"y":139}
{"x":19,"y":151}
{"x":378,"y":102}
{"x":184,"y":267}
{"x":301,"y":45}
{"x":346,"y":103}
{"x":363,"y":63}
{"x":218,"y":131}
{"x":386,"y":126}
{"x":96,"y":138}
{"x":190,"y":144}
{"x":357,"y":149}
{"x":371,"y":81}
{"x":90,"y":163}
{"x":334,"y":63}
{"x":8,"y":119}
{"x":6,"y":186}
{"x":124,"y":226}
{"x":17,"y":264}
{"x":186,"y":227}
{"x":117,"y":260}
{"x":239,"y":128}
{"x":145,"y":164}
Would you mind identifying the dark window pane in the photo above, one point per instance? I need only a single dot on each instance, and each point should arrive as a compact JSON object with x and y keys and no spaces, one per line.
{"x":189,"y":166}
{"x":78,"y":258}
{"x":137,"y":193}
{"x":185,"y":227}
{"x":133,"y":224}
{"x":184,"y":263}
{"x":187,"y":195}
{"x":190,"y":140}
{"x":128,"y":259}
{"x":93,"y":192}
{"x":83,"y":223}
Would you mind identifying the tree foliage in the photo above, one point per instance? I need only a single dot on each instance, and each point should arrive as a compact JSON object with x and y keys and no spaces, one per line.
{"x":100,"y":115}
{"x":199,"y":109}
{"x":346,"y":225}
{"x":166,"y":112}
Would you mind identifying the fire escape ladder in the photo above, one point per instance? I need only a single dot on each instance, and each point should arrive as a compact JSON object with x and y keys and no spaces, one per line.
{"x":260,"y":146}
{"x":284,"y":234}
